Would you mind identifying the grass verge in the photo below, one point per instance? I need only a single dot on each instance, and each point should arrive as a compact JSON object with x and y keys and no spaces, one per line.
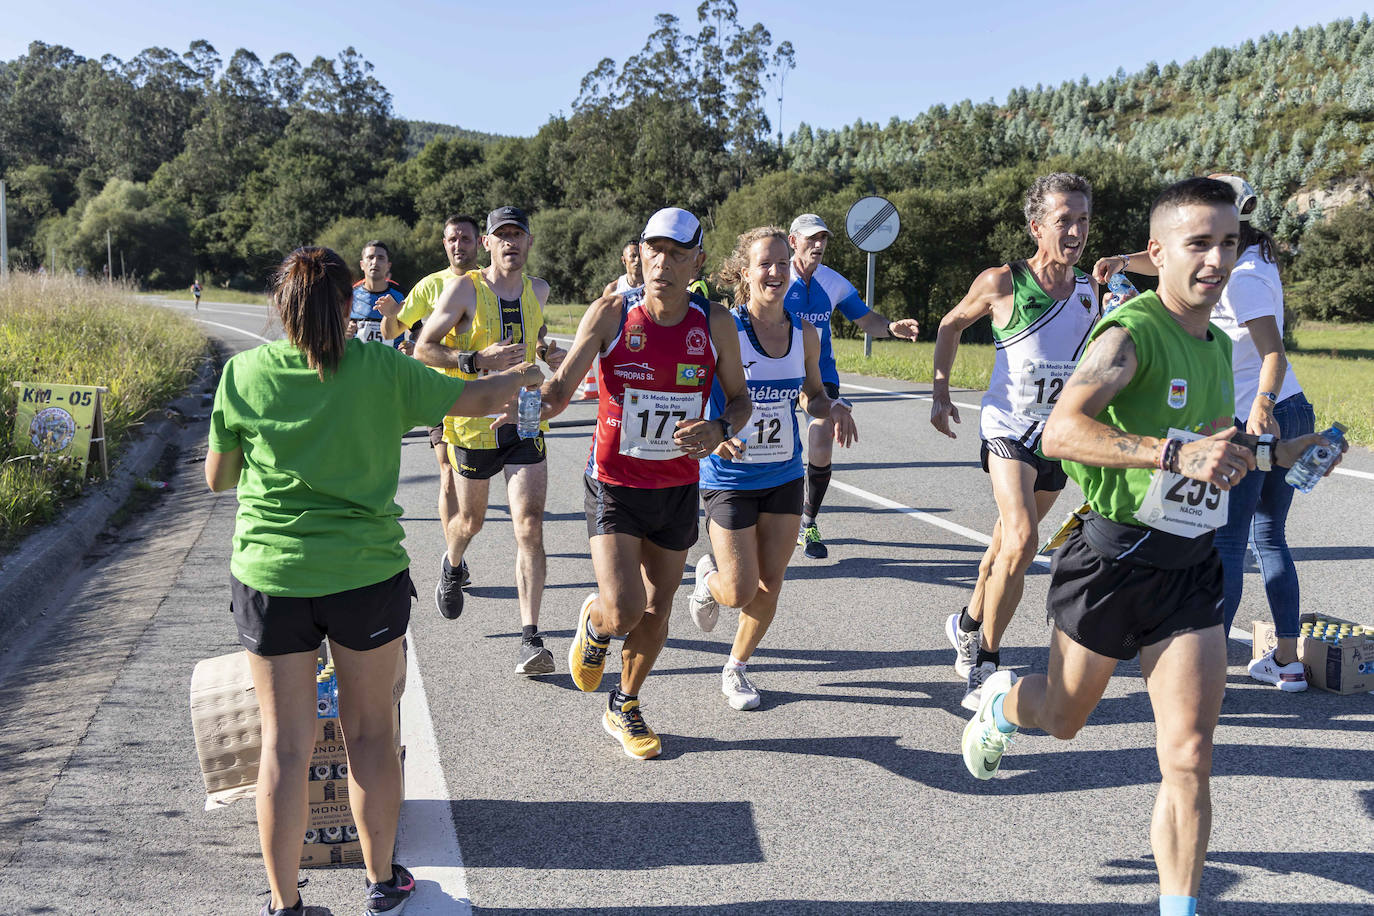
{"x":212,"y":294}
{"x":79,"y":332}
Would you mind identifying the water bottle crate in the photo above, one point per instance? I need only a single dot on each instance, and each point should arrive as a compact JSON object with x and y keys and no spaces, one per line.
{"x":1347,"y":668}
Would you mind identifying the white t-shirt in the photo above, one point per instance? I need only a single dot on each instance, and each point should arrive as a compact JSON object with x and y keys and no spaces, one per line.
{"x":1252,"y":292}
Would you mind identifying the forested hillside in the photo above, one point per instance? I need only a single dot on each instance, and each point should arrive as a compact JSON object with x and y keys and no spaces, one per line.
{"x":198,"y":165}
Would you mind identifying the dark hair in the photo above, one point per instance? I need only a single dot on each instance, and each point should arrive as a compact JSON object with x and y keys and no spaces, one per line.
{"x":312,"y":290}
{"x":458,"y":219}
{"x":1193,"y":191}
{"x":1054,"y":183}
{"x":632,"y":243}
{"x":376,"y":243}
{"x":735,"y":270}
{"x":1252,"y":235}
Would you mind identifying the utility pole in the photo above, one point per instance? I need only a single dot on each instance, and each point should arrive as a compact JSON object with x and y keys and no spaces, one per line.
{"x":109,"y":259}
{"x":4,"y":237}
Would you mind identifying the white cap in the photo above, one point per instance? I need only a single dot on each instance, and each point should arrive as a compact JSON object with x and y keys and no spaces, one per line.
{"x":1245,"y":195}
{"x":807,"y":225}
{"x":676,"y":224}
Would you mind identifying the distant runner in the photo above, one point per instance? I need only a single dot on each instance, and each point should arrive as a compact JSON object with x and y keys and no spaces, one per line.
{"x":374,"y":289}
{"x":633,"y":277}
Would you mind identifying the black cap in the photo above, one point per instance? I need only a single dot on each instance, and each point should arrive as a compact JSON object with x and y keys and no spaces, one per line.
{"x":507,"y":216}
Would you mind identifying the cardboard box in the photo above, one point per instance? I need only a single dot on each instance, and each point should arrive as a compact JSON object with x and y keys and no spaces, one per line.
{"x":328,"y":790}
{"x":1330,"y":667}
{"x":323,"y":855}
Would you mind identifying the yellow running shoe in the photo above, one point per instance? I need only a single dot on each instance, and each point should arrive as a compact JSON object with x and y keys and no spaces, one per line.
{"x":627,"y":726}
{"x":586,"y":656}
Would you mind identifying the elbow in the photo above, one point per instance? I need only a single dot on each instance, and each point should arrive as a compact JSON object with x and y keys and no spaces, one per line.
{"x":1053,"y":440}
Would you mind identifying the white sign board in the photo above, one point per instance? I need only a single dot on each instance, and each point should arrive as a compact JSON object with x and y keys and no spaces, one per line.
{"x":872,"y":223}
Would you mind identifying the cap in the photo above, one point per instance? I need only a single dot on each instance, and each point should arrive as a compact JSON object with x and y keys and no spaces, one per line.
{"x":676,"y":224}
{"x":507,"y":216}
{"x":807,"y":225}
{"x":1246,"y":201}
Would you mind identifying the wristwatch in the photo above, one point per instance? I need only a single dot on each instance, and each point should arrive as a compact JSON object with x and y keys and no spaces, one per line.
{"x":726,"y":429}
{"x":467,"y":361}
{"x":845,"y":403}
{"x":1264,"y":451}
{"x":1271,"y":396}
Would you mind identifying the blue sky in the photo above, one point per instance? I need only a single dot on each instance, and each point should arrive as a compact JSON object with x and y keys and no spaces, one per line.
{"x":504,"y":68}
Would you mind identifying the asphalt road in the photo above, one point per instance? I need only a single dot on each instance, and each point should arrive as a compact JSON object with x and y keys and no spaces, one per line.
{"x":843,"y":794}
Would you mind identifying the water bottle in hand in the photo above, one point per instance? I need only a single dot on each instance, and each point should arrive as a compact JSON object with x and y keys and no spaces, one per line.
{"x":527,"y":414}
{"x":1121,"y":290}
{"x":1317,"y":460}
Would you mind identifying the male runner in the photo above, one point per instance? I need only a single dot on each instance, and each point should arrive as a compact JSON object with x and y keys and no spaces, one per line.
{"x":659,"y":350}
{"x":505,"y":308}
{"x":375,"y":287}
{"x":816,"y":291}
{"x":195,"y":291}
{"x":1136,"y":427}
{"x":462,"y":246}
{"x":1042,"y":311}
{"x":633,"y":277}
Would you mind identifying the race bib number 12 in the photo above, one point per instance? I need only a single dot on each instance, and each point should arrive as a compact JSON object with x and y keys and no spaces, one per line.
{"x":1042,"y":382}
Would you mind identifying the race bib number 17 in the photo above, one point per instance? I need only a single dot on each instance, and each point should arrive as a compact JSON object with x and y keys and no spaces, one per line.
{"x":648,"y":420}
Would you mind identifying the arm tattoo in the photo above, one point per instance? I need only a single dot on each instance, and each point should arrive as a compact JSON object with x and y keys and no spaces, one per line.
{"x":1106,"y":361}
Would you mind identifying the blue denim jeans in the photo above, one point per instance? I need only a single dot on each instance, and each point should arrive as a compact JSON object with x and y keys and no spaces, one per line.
{"x":1259,"y":511}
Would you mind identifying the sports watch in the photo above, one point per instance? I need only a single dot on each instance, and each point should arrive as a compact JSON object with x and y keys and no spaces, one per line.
{"x":726,"y":429}
{"x":1264,"y":451}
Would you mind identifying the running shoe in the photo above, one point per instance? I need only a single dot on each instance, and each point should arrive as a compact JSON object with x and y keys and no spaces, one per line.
{"x":965,"y":645}
{"x":532,"y":658}
{"x":586,"y":656}
{"x":705,"y":610}
{"x":739,"y":691}
{"x":809,"y":538}
{"x":448,"y":594}
{"x":296,"y":910}
{"x":627,"y":726}
{"x":984,"y":742}
{"x":464,"y":577}
{"x":390,"y":896}
{"x":1290,"y":678}
{"x":977,"y":677}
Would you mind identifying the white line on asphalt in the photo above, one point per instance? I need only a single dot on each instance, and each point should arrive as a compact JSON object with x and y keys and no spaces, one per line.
{"x":926,"y":517}
{"x":230,"y":327}
{"x":1364,"y":475}
{"x":427,"y":834}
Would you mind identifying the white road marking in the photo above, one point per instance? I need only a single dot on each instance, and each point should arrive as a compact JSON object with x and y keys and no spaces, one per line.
{"x":230,"y":327}
{"x":427,"y":842}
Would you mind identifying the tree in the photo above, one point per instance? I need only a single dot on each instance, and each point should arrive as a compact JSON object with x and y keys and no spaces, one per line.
{"x":1334,"y":270}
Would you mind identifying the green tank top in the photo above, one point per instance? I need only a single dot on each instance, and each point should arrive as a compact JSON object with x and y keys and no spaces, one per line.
{"x":1179,"y":382}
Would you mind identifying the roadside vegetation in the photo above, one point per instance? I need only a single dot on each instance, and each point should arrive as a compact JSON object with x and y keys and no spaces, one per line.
{"x":213,"y":294}
{"x":79,"y":332}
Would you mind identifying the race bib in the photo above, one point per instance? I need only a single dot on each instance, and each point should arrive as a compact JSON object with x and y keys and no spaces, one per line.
{"x":648,"y":420}
{"x":1180,"y":505}
{"x":370,"y":331}
{"x":768,"y":437}
{"x":1042,"y":382}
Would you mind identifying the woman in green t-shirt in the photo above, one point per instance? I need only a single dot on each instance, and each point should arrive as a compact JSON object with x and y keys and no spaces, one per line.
{"x":309,"y":430}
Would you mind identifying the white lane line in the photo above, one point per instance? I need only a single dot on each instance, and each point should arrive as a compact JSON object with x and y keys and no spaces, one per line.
{"x":427,"y":837}
{"x":230,"y":327}
{"x":926,"y":517}
{"x":1364,"y":475}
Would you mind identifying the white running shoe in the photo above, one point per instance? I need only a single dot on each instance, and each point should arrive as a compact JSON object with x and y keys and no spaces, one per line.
{"x":739,"y":692}
{"x":977,"y":677}
{"x":965,"y":645}
{"x":705,"y":610}
{"x":1290,"y":678}
{"x":984,"y":743}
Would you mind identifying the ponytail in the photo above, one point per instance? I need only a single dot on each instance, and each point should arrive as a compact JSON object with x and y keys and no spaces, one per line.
{"x":311,"y":290}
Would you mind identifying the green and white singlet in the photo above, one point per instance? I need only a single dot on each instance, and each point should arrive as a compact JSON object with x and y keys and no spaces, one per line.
{"x":1036,"y":352}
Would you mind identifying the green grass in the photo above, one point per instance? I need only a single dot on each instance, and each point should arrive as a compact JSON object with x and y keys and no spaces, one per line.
{"x":213,"y":294}
{"x":79,"y":332}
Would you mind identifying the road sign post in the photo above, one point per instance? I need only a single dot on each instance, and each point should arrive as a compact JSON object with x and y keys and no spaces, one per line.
{"x":872,"y":224}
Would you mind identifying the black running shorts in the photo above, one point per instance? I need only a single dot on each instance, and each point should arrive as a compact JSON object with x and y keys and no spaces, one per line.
{"x":736,"y":509}
{"x":667,"y":516}
{"x":485,"y":463}
{"x":1117,"y":607}
{"x":359,"y":619}
{"x":1049,"y":474}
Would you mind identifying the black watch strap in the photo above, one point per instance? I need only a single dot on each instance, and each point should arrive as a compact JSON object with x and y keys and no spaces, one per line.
{"x":467,"y":361}
{"x":726,"y":429}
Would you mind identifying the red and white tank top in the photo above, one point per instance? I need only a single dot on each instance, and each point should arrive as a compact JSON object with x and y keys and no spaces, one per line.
{"x":651,"y":377}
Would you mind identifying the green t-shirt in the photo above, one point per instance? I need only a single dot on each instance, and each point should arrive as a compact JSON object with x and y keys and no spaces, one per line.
{"x":1180,"y":382}
{"x":321,"y":459}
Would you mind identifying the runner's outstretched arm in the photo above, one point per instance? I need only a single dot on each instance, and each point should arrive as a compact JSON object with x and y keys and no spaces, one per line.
{"x":599,"y":325}
{"x":456,"y":303}
{"x":815,"y":401}
{"x":978,"y":302}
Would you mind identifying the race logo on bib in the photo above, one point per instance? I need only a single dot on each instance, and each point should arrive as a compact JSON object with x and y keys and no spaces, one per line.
{"x":1178,"y":393}
{"x":688,"y":374}
{"x":696,"y":342}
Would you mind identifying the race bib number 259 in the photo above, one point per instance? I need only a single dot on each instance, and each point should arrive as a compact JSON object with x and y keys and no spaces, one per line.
{"x":1180,"y":505}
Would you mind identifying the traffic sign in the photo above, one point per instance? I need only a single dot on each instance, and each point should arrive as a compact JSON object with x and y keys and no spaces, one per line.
{"x":872,"y":223}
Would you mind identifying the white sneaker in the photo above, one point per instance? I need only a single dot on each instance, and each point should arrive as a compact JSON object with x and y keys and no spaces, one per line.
{"x":705,"y":610}
{"x":739,"y":692}
{"x":1290,"y":678}
{"x":984,"y":744}
{"x":977,"y":676}
{"x":965,"y":645}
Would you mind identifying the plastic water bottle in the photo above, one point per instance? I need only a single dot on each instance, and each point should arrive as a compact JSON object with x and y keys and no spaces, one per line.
{"x":527,"y":415}
{"x":326,"y":700}
{"x":1316,"y":461}
{"x":1121,"y":289}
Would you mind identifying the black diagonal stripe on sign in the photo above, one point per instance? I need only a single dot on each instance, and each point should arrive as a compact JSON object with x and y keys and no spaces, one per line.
{"x":872,"y":225}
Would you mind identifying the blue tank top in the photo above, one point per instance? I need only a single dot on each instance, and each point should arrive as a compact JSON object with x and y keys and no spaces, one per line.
{"x":772,"y":438}
{"x":814,"y":301}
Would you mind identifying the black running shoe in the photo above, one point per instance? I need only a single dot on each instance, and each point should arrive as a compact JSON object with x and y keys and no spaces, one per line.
{"x":464,"y":577}
{"x":296,"y":910}
{"x":532,"y":658}
{"x":390,"y":896}
{"x":448,"y":594}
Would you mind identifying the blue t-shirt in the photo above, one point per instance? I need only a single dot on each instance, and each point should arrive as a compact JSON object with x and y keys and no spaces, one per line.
{"x":364,"y":311}
{"x":814,"y":301}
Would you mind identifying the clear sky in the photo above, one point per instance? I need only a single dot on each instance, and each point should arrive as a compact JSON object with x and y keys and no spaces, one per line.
{"x":505,"y":68}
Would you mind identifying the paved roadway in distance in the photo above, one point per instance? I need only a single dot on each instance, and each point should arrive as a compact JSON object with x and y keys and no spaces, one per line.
{"x":844,"y":794}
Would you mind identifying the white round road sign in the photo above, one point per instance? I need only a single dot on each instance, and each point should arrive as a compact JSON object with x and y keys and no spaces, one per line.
{"x":872,"y":223}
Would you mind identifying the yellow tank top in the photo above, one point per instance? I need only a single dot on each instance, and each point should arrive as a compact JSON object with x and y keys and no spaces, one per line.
{"x":489,"y":326}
